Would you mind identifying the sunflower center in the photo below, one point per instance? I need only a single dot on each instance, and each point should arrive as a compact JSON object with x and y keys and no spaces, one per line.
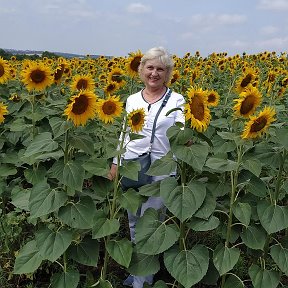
{"x":2,"y":71}
{"x":258,"y":124}
{"x":109,"y":108}
{"x":247,"y":105}
{"x":197,"y":108}
{"x":59,"y":72}
{"x":135,"y":63}
{"x":37,"y":76}
{"x":246,"y":80}
{"x":82,"y":84}
{"x":211,"y":98}
{"x":116,"y":77}
{"x":136,"y":119}
{"x":80,"y":105}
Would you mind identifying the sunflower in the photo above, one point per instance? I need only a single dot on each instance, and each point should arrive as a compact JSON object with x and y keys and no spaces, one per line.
{"x":247,"y":102}
{"x":111,"y":87}
{"x":116,"y":75}
{"x":196,"y":109}
{"x":4,"y":71}
{"x":175,"y":76}
{"x":133,"y":63}
{"x":108,"y":109}
{"x":3,"y":111}
{"x":257,"y":125}
{"x":213,"y":98}
{"x":81,"y":108}
{"x":82,"y":82}
{"x":37,"y":76}
{"x":136,"y":120}
{"x":249,"y":77}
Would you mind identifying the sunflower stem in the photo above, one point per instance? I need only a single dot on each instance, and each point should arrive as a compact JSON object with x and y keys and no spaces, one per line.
{"x":279,"y":176}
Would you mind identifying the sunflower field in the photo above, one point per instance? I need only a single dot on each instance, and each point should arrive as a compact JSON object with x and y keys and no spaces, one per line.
{"x":63,"y":222}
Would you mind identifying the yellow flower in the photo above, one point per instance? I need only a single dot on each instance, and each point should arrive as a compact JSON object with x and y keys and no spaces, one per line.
{"x":37,"y":76}
{"x":116,"y":75}
{"x":196,"y":109}
{"x":136,"y":120}
{"x":82,"y":82}
{"x":249,"y":77}
{"x":111,"y":87}
{"x":133,"y":63}
{"x":108,"y":109}
{"x":247,"y":102}
{"x":257,"y":125}
{"x":213,"y":98}
{"x":4,"y":71}
{"x":81,"y":108}
{"x":3,"y":111}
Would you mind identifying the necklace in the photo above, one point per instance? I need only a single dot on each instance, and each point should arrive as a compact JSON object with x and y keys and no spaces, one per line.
{"x":152,"y":98}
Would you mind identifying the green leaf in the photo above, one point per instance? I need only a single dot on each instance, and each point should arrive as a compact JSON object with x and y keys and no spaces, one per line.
{"x":207,"y":208}
{"x":103,"y":226}
{"x":182,"y":201}
{"x":280,"y":256}
{"x":59,"y":127}
{"x":83,"y":142}
{"x":20,"y":198}
{"x":257,"y":187}
{"x":53,"y":244}
{"x":86,"y":252}
{"x":97,"y":166}
{"x":28,"y":260}
{"x":263,"y":278}
{"x":68,"y":279}
{"x":129,"y":169}
{"x":225,"y":258}
{"x":163,"y":166}
{"x":198,"y":224}
{"x":143,"y":265}
{"x":102,"y":284}
{"x":78,"y":215}
{"x":152,"y":189}
{"x":187,"y":266}
{"x":194,"y":155}
{"x":73,"y":175}
{"x":242,"y":211}
{"x":131,"y":200}
{"x":160,"y":284}
{"x":253,"y":165}
{"x":7,"y":170}
{"x":35,"y":176}
{"x":120,"y":251}
{"x":44,"y":200}
{"x":282,"y":135}
{"x":41,"y":143}
{"x":254,"y":237}
{"x":233,"y":281}
{"x":221,"y":165}
{"x":273,"y":218}
{"x":152,"y":235}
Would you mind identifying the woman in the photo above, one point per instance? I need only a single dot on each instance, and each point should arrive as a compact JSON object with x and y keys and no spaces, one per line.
{"x":155,"y":71}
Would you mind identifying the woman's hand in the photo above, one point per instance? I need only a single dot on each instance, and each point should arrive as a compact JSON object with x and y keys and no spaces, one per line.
{"x":113,"y":171}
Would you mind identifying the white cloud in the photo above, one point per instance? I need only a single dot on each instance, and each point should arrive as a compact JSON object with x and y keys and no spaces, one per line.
{"x":211,"y":20}
{"x":273,"y":5}
{"x":138,"y":8}
{"x":268,"y":30}
{"x":274,"y":43}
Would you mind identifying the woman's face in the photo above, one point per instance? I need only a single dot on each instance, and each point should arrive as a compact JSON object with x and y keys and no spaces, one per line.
{"x":154,"y":73}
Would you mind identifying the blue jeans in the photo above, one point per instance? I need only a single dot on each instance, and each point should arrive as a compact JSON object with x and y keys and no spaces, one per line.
{"x":157,"y":204}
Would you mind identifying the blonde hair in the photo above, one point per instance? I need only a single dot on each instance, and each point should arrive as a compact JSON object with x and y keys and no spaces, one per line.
{"x":161,"y":54}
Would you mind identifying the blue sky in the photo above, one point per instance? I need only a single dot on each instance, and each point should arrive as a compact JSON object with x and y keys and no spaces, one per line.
{"x":118,"y":27}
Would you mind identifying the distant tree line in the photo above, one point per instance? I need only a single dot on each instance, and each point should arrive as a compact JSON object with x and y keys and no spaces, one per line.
{"x":7,"y":55}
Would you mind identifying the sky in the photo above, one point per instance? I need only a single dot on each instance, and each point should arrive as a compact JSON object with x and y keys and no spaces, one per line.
{"x":119,"y":27}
